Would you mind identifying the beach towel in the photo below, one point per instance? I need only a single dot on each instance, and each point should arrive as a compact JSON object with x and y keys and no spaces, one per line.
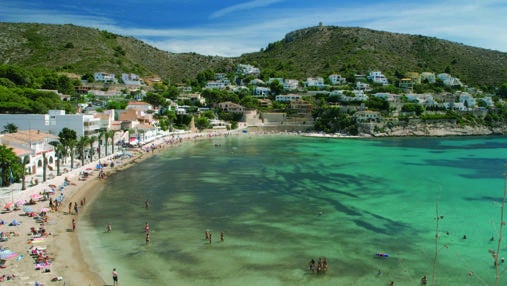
{"x":42,"y":265}
{"x":14,"y":223}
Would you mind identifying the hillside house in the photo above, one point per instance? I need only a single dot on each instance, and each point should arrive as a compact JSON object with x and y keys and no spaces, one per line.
{"x":248,"y":70}
{"x":366,"y":116}
{"x":428,"y":77}
{"x":105,"y":77}
{"x":449,"y":80}
{"x":261,"y":92}
{"x":290,"y":84}
{"x":288,"y":97}
{"x":139,"y":105}
{"x":378,"y":78}
{"x":406,"y":84}
{"x":131,"y":79}
{"x":231,"y":107}
{"x":317,"y":82}
{"x":337,"y":79}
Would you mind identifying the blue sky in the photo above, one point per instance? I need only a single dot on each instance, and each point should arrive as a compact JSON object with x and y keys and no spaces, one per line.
{"x":234,"y":27}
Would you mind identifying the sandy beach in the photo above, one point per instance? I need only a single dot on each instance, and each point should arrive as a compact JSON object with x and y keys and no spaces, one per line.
{"x":60,"y":244}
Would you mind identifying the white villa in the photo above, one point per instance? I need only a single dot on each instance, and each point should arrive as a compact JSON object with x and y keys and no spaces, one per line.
{"x":337,"y":79}
{"x":377,"y":77}
{"x":105,"y":77}
{"x":288,"y":97}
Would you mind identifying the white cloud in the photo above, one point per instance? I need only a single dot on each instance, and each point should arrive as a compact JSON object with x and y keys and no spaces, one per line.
{"x":243,"y":6}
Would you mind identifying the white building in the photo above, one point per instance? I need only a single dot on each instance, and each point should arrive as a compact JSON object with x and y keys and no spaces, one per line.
{"x":337,"y":79}
{"x":449,"y":80}
{"x":130,"y":79}
{"x":247,"y":70}
{"x":428,"y":76}
{"x":291,"y":84}
{"x":315,"y":82}
{"x":54,"y":122}
{"x":377,"y":77}
{"x":261,"y":91}
{"x":105,"y":77}
{"x":287,"y":97}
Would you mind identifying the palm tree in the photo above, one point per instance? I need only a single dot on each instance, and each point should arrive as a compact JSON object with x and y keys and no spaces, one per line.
{"x":107,"y":135}
{"x":102,"y":133}
{"x":111,"y":134}
{"x":44,"y":166}
{"x":81,"y":143}
{"x":59,"y":153}
{"x":91,"y":141}
{"x":24,"y":162}
{"x":71,"y":147}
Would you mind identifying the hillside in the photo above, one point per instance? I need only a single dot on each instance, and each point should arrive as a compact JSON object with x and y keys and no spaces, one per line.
{"x":315,"y":51}
{"x":324,"y":50}
{"x":81,"y":50}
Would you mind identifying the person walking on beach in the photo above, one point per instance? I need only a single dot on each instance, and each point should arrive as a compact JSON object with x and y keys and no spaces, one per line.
{"x":70,"y":207}
{"x":75,"y":208}
{"x":73,"y":225}
{"x":115,"y":277}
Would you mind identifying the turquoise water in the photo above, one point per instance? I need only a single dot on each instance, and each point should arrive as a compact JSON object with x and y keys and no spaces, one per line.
{"x":283,"y":200}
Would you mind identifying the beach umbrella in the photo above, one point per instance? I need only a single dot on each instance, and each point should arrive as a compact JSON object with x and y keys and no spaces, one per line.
{"x":6,"y":254}
{"x":21,"y":202}
{"x":27,"y":209}
{"x":35,"y":196}
{"x":52,"y":186}
{"x":8,"y":205}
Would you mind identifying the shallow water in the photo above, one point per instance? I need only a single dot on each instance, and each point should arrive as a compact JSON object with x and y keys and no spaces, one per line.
{"x":282,"y":200}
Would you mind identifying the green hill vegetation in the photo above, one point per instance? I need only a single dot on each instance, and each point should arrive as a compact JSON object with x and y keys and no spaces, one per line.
{"x":325,"y":50}
{"x":315,"y":51}
{"x":83,"y":50}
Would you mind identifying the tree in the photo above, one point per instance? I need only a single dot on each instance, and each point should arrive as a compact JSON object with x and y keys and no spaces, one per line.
{"x":24,"y":162}
{"x":10,"y":128}
{"x":91,"y":141}
{"x":44,"y":166}
{"x":72,"y":146}
{"x":276,"y":87}
{"x":81,"y":144}
{"x":59,"y":153}
{"x":156,"y":99}
{"x":68,"y":138}
{"x":9,"y":162}
{"x":102,"y":134}
{"x":202,"y":123}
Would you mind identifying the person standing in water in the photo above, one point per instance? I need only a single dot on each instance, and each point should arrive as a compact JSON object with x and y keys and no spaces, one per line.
{"x":115,"y":277}
{"x":146,"y":228}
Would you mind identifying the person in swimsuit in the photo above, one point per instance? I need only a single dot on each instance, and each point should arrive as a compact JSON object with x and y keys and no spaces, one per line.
{"x":115,"y":277}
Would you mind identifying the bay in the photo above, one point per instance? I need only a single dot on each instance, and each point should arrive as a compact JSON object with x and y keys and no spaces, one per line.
{"x":283,"y":200}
